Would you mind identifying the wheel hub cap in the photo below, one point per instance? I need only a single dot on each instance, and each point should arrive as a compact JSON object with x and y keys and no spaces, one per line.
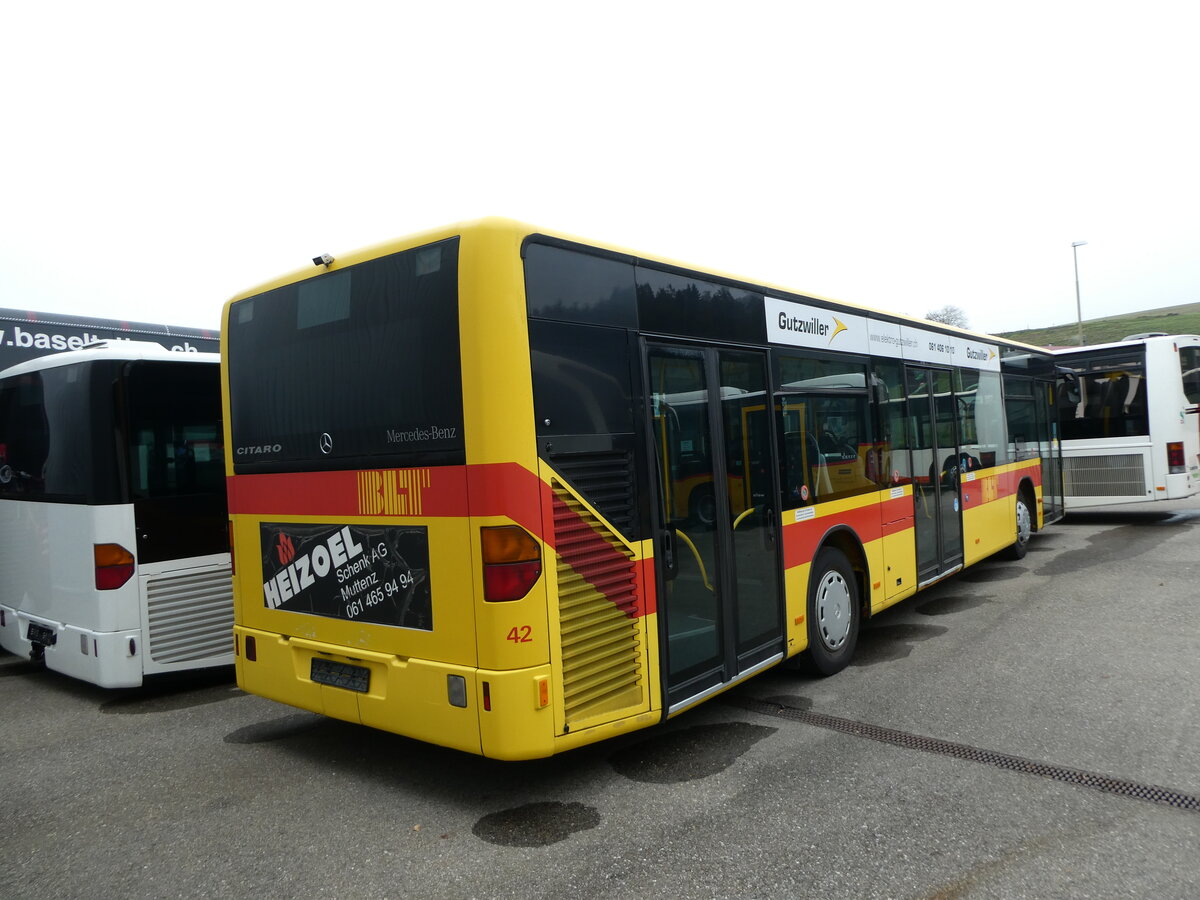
{"x":833,"y":610}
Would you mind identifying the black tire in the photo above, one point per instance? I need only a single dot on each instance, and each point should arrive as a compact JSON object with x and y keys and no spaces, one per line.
{"x":703,"y":505}
{"x":1024,"y":531}
{"x":834,"y":611}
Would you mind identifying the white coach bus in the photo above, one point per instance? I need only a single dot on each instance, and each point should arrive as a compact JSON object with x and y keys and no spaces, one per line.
{"x":114,"y":552}
{"x":1130,"y":422}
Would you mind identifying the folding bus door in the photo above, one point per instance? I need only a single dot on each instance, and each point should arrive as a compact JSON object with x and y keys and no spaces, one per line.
{"x":717,"y":554}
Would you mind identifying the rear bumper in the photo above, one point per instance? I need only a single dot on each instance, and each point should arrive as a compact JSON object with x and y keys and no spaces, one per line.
{"x":110,"y":659}
{"x":406,"y":696}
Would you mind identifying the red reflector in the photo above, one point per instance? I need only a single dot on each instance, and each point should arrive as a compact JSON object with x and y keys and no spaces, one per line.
{"x":251,"y":648}
{"x":109,"y":578}
{"x":487,"y":696}
{"x":510,"y":581}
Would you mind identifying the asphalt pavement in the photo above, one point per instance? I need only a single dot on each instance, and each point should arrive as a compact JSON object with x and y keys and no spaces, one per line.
{"x":1025,"y":730}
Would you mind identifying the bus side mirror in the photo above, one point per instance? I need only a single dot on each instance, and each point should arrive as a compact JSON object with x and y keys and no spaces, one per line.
{"x":1068,"y":387}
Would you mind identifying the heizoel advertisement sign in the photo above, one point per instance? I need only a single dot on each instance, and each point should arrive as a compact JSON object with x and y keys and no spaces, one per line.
{"x":801,"y":325}
{"x":362,"y":574}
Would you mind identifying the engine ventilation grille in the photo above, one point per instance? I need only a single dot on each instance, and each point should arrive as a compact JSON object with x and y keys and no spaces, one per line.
{"x":605,"y":479}
{"x":599,"y":617}
{"x":1122,"y":475}
{"x":191,"y":616}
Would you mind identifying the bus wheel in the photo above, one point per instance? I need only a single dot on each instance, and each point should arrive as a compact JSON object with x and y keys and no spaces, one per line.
{"x":704,"y":506}
{"x":834,"y":610}
{"x":1019,"y":547}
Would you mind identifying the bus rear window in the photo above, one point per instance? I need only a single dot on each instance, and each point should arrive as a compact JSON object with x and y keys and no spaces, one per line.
{"x":355,"y":368}
{"x":1112,"y":397}
{"x":55,"y":435}
{"x":1189,"y":365}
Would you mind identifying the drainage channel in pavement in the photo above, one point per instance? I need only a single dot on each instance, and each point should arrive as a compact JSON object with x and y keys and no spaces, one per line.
{"x":1105,"y":783}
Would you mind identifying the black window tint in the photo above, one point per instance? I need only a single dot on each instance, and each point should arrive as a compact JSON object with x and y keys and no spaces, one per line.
{"x":679,"y":304}
{"x":174,"y":431}
{"x":56,"y":435}
{"x":1111,"y":398}
{"x":1021,"y":417}
{"x":809,"y":373}
{"x":583,"y":405}
{"x":581,"y":381}
{"x":1189,"y":365}
{"x":1015,"y":386}
{"x":578,"y":287}
{"x":367,"y":356}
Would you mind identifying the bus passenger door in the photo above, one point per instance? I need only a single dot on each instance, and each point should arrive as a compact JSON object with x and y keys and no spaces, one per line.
{"x":937,"y":494}
{"x":717,"y":556}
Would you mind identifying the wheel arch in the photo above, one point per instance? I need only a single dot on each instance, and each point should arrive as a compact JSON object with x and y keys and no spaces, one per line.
{"x":1025,"y":489}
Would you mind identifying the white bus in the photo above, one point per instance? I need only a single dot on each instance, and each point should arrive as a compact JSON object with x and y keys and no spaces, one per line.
{"x":1130,"y":427}
{"x":114,"y":550}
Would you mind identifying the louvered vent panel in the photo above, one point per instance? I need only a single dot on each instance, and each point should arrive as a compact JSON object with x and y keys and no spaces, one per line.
{"x":1104,"y":476}
{"x":605,"y":480}
{"x":597,"y":607}
{"x":191,"y":616}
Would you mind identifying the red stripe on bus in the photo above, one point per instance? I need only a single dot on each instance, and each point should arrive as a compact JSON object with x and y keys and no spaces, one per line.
{"x":800,"y":539}
{"x":647,"y":586}
{"x":498,"y":489}
{"x":345,"y":493}
{"x":612,"y":573}
{"x":507,"y":489}
{"x":869,"y":522}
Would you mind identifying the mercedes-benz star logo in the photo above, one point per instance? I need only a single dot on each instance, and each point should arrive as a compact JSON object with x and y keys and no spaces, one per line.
{"x":326,"y":443}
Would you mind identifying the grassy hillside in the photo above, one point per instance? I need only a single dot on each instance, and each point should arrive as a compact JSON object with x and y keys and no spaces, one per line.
{"x":1183,"y":319}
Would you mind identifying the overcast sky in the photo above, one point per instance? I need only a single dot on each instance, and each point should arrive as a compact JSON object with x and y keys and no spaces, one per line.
{"x":159,"y":158}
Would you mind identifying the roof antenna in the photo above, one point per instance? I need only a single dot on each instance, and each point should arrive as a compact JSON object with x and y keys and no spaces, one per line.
{"x":323,"y":260}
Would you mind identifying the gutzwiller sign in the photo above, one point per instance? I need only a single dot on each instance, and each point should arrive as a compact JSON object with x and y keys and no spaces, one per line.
{"x":801,"y":325}
{"x":362,"y":574}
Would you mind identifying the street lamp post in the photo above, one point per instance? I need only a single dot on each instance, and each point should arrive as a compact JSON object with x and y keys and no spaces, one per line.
{"x":1075,"y":245}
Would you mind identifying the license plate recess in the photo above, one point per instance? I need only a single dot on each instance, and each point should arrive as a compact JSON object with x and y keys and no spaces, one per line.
{"x":40,"y":634}
{"x":339,"y":674}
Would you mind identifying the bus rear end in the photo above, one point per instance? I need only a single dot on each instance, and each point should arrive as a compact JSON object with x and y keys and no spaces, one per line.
{"x":112,"y":512}
{"x":357,"y":563}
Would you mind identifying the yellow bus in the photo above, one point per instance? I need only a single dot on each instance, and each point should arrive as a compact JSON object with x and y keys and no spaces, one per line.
{"x":511,"y":492}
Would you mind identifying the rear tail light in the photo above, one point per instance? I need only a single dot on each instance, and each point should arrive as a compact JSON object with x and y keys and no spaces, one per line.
{"x":114,"y":566}
{"x":232,"y":566}
{"x":1175,"y":464}
{"x":512,"y":562}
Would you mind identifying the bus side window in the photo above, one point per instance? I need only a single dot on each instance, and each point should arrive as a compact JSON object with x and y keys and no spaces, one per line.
{"x":805,"y":472}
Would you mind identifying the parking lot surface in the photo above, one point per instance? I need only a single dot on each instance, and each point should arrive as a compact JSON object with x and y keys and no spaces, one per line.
{"x":1027,"y":729}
